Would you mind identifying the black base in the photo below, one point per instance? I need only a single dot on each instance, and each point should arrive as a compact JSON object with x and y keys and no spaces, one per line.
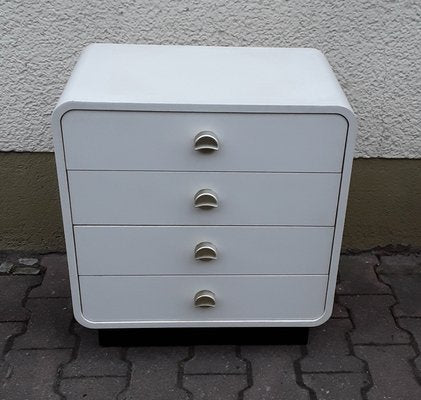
{"x":199,"y":336}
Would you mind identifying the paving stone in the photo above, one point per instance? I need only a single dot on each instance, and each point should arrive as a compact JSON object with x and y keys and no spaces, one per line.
{"x":214,"y":359}
{"x":358,"y":259}
{"x":6,"y":267}
{"x":26,"y":270}
{"x":400,"y":264}
{"x":273,"y":373}
{"x":48,"y":327}
{"x":357,"y":276}
{"x":4,"y":371}
{"x":32,"y":374}
{"x":339,"y":311}
{"x":408,"y":294}
{"x":155,"y":373}
{"x":16,"y":257}
{"x":393,"y":377}
{"x":328,"y":349}
{"x":215,"y":387}
{"x":7,"y":329}
{"x":373,"y":320}
{"x":337,"y":386}
{"x":93,"y":360}
{"x":28,"y":261}
{"x":56,"y":279}
{"x":12,"y":291}
{"x":413,"y":325}
{"x":100,"y":388}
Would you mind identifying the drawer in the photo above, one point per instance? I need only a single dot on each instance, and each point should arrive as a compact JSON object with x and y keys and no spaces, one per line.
{"x":172,"y":250}
{"x":167,"y":198}
{"x":170,"y":298}
{"x":118,"y":140}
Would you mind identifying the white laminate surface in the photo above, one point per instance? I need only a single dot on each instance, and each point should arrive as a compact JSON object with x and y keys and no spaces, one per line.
{"x":166,"y":198}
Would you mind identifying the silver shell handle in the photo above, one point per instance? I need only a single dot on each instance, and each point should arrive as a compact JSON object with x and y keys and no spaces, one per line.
{"x":205,"y":251}
{"x":205,"y":199}
{"x":204,"y":299}
{"x":206,"y":142}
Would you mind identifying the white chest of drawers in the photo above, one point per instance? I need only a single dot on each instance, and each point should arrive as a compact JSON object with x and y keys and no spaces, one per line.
{"x":203,"y":186}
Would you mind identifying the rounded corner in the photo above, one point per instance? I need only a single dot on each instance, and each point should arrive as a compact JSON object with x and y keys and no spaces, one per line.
{"x":347,"y":113}
{"x":82,"y":320}
{"x":317,"y":51}
{"x":90,"y":46}
{"x":323,"y":318}
{"x":62,"y":109}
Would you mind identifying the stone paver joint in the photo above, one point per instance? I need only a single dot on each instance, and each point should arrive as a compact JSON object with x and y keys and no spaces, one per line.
{"x":376,"y":322}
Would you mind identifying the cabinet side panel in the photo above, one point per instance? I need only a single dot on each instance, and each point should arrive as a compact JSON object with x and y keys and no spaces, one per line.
{"x":66,"y":211}
{"x":341,"y":211}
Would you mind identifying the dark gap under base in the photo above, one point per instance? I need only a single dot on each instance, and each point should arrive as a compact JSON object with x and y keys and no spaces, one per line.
{"x":201,"y":336}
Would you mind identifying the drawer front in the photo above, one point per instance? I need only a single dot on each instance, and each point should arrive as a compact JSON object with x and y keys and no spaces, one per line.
{"x":167,"y":198}
{"x":190,"y":250}
{"x":117,"y":140}
{"x":170,"y":298}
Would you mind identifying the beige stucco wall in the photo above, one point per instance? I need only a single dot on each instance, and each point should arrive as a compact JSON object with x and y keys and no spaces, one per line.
{"x":374,"y":47}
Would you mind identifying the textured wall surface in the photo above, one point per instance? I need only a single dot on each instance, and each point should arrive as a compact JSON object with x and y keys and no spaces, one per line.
{"x":384,"y":204}
{"x":373,"y":46}
{"x":30,"y":216}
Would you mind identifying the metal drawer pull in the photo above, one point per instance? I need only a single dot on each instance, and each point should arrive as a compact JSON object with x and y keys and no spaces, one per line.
{"x":204,"y":299}
{"x":206,"y":142}
{"x":205,"y":199}
{"x":205,"y":251}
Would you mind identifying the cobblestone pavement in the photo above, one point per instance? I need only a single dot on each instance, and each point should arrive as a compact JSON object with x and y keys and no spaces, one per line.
{"x":369,"y":349}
